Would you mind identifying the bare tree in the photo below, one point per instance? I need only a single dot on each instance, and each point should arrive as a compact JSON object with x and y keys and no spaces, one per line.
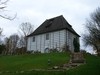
{"x":1,"y":31}
{"x":7,"y":45}
{"x":21,"y":42}
{"x":3,"y":3}
{"x":11,"y":44}
{"x":26,"y":29}
{"x":2,"y":8}
{"x":21,"y":46}
{"x":93,"y":28}
{"x":1,"y":34}
{"x":14,"y":40}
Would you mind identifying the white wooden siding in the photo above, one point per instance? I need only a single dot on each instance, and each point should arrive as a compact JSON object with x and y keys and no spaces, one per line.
{"x":38,"y":42}
{"x":42,"y":43}
{"x":62,"y":38}
{"x":57,"y":40}
{"x":28,"y":44}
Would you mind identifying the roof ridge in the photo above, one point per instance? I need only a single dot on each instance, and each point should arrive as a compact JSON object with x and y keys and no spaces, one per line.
{"x":54,"y":17}
{"x":59,"y":23}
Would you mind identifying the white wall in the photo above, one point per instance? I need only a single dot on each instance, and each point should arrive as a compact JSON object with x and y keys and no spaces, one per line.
{"x":57,"y":40}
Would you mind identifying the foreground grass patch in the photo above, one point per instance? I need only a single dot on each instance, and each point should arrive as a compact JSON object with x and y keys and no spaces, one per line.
{"x":39,"y":73}
{"x":92,"y":67}
{"x":34,"y":61}
{"x":26,"y":62}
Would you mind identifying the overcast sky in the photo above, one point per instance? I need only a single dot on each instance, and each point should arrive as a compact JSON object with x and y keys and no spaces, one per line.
{"x":37,"y":11}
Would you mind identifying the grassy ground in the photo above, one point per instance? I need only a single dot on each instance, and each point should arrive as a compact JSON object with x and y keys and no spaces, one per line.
{"x":92,"y":67}
{"x":13,"y":63}
{"x":35,"y":61}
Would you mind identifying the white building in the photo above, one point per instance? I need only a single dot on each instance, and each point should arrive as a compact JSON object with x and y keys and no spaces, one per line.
{"x":54,"y":33}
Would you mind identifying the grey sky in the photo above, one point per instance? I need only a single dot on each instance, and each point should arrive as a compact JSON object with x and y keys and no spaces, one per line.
{"x":37,"y":11}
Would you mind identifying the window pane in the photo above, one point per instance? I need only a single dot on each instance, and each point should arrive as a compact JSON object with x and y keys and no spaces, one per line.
{"x":33,"y":39}
{"x":47,"y":36}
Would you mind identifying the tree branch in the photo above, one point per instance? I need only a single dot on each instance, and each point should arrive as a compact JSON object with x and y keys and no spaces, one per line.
{"x":3,"y":2}
{"x":9,"y":17}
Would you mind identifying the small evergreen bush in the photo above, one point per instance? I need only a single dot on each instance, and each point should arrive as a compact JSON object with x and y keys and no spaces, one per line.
{"x":76,"y":45}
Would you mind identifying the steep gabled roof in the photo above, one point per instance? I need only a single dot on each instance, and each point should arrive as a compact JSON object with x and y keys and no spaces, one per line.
{"x":53,"y":24}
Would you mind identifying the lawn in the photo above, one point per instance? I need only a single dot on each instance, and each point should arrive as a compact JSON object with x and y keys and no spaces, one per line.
{"x":92,"y":67}
{"x":32,"y":61}
{"x":26,"y":62}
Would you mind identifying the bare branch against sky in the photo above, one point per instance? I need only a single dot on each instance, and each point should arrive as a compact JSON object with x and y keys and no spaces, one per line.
{"x":3,"y":4}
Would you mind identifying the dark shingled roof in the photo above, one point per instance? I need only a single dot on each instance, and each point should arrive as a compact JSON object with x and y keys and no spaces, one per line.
{"x":53,"y":24}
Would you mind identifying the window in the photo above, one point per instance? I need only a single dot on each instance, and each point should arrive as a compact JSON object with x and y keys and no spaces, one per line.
{"x":34,"y":39}
{"x":47,"y":36}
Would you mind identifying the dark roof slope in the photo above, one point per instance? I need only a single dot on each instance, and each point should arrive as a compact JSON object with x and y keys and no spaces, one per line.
{"x":53,"y":24}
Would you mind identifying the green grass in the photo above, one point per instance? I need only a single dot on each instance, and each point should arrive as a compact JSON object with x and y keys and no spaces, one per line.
{"x":38,"y":73}
{"x":34,"y":61}
{"x":92,"y":67}
{"x":25,"y":62}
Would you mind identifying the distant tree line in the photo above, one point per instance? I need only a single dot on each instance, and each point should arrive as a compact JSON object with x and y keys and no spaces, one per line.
{"x":16,"y":43}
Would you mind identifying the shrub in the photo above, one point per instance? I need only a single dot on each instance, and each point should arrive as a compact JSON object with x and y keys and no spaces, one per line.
{"x":21,"y":50}
{"x":53,"y":50}
{"x":29,"y":52}
{"x":66,"y":48}
{"x":83,"y":51}
{"x":2,"y":48}
{"x":37,"y":52}
{"x":76,"y":45}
